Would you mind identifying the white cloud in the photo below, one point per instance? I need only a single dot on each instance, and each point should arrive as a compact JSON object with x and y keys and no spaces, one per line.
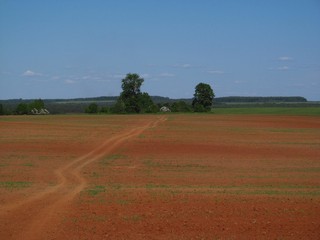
{"x":283,"y":68}
{"x":69,"y":81}
{"x":30,"y":73}
{"x":118,"y":76}
{"x":215,"y":72}
{"x":55,"y":77}
{"x":285,"y":58}
{"x":185,"y":65}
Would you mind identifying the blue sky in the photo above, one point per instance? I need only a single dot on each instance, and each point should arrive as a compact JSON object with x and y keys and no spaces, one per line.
{"x":68,"y":49}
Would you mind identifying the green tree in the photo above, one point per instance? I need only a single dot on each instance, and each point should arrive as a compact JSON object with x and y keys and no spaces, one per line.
{"x":119,"y":107}
{"x":92,"y":108}
{"x":146,"y":104}
{"x":131,"y":92}
{"x":131,"y":98}
{"x":180,"y":106}
{"x":22,"y":108}
{"x":203,"y":98}
{"x":1,"y":109}
{"x":37,"y":104}
{"x":104,"y":110}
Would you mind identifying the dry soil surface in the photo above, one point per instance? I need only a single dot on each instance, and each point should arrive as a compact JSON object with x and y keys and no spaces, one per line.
{"x":160,"y":177}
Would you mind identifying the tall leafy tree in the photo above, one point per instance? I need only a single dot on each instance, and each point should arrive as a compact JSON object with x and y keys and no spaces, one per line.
{"x":131,"y":97}
{"x":203,"y":98}
{"x":131,"y":92}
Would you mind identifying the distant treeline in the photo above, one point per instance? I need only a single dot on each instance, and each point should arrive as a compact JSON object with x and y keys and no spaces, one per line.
{"x":80,"y":105}
{"x":237,"y":99}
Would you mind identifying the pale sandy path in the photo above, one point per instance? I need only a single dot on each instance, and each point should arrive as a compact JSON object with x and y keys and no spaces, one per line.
{"x":34,"y":217}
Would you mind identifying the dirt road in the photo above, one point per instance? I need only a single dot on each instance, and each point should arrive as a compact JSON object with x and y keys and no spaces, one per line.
{"x":38,"y":216}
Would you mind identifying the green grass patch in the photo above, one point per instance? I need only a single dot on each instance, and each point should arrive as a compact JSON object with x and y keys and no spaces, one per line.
{"x":28,"y":165}
{"x":15,"y":185}
{"x":175,"y":167}
{"x":95,"y":190}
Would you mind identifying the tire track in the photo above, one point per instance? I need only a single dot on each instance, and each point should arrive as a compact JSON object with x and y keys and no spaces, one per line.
{"x":48,"y":204}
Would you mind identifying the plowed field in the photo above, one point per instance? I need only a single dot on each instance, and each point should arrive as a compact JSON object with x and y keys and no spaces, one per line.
{"x":160,"y":177}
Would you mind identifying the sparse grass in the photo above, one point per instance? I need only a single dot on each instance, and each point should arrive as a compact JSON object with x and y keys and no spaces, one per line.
{"x":115,"y":186}
{"x":289,"y":130}
{"x":133,"y":218}
{"x":15,"y":185}
{"x":152,"y":186}
{"x":95,"y":175}
{"x":95,"y":190}
{"x":109,"y":159}
{"x":281,"y":190}
{"x":123,"y":202}
{"x":28,"y":165}
{"x":175,"y":167}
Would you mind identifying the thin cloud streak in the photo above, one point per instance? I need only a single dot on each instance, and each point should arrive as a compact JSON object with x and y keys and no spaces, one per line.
{"x":30,"y":73}
{"x":283,"y":68}
{"x":285,"y":58}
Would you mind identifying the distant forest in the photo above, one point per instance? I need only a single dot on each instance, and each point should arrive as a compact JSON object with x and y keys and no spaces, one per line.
{"x":79,"y":105}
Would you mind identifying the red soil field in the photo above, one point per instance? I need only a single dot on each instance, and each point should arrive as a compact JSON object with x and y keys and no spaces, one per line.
{"x":160,"y":177}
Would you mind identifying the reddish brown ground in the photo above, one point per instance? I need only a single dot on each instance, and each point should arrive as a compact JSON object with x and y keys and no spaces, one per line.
{"x":160,"y":177}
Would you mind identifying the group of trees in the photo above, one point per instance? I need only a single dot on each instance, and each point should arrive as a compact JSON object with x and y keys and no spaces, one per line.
{"x":132,"y":100}
{"x":24,"y":108}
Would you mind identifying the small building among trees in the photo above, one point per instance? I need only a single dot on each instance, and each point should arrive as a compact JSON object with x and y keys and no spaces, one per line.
{"x":165,"y":109}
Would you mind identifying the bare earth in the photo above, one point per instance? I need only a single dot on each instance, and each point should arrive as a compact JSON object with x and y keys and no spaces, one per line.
{"x":160,"y":177}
